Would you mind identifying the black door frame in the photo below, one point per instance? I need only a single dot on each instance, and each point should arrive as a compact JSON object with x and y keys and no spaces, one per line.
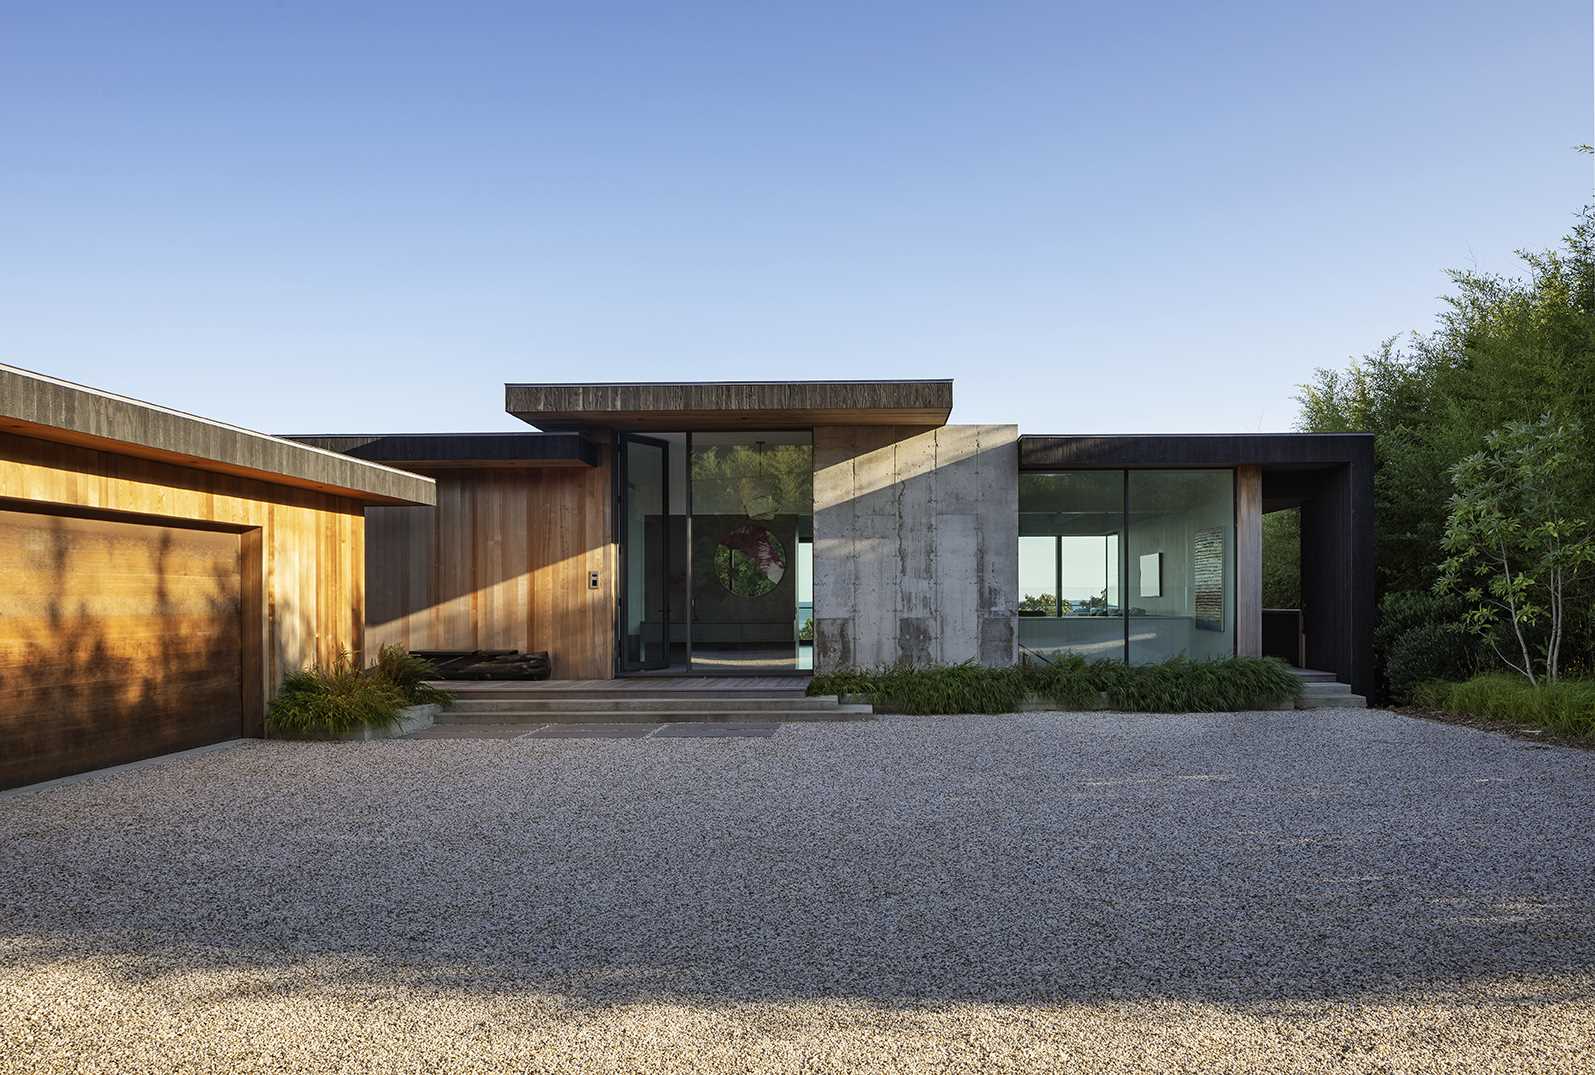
{"x":622,"y":530}
{"x":621,"y":439}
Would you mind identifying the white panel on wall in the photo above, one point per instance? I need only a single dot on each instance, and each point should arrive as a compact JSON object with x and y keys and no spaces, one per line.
{"x":1152,"y":574}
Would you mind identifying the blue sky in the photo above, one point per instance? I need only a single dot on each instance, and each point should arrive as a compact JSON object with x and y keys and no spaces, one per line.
{"x":1096,"y":217}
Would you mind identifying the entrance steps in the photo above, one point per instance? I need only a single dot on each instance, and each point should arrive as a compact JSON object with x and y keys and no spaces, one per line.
{"x":550,"y":703}
{"x":1321,"y":690}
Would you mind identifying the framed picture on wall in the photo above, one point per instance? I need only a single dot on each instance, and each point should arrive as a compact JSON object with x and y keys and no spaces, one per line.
{"x":1152,"y":575}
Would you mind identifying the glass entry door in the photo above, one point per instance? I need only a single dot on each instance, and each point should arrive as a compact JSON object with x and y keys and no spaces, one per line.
{"x":751,"y":499}
{"x":645,"y":554}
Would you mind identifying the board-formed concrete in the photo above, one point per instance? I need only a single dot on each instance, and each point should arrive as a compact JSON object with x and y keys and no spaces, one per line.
{"x":916,"y":545}
{"x":46,"y":408}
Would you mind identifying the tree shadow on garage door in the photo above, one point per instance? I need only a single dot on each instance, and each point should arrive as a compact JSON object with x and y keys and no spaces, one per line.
{"x":118,"y":641}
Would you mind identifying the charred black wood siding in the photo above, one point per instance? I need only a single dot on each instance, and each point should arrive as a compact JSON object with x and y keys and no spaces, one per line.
{"x":1328,"y":475}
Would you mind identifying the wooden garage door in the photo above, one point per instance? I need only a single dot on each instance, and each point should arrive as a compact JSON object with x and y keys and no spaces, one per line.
{"x":118,"y":641}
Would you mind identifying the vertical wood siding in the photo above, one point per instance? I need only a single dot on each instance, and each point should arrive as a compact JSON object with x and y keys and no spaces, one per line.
{"x":307,"y":548}
{"x":500,"y":563}
{"x":1249,"y":561}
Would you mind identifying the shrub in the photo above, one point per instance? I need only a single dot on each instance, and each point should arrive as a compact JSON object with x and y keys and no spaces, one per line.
{"x":1068,"y":681}
{"x":323,"y":702}
{"x":1428,"y":651}
{"x":1182,"y":685}
{"x":1177,"y":686}
{"x":1565,"y":707}
{"x":959,"y":688}
{"x":1420,"y":636}
{"x":410,"y":673}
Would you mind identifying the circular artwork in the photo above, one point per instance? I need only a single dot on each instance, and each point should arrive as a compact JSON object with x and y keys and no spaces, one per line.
{"x":750,"y":561}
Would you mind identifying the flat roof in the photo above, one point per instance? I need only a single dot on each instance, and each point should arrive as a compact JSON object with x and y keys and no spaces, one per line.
{"x":1062,"y":452}
{"x":691,"y":405}
{"x":47,"y":408}
{"x":442,"y":451}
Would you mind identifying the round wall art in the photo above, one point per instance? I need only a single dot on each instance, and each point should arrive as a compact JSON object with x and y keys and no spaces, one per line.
{"x":750,"y":561}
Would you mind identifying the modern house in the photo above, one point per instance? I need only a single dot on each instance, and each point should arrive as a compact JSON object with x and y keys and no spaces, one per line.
{"x":162,"y":572}
{"x":711,"y":529}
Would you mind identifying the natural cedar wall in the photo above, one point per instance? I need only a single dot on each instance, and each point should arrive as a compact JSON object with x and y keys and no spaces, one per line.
{"x":305,"y":548}
{"x":1249,"y":561}
{"x":502,"y":562}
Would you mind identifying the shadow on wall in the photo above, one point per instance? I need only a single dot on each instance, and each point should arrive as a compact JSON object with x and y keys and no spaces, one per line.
{"x":916,"y":546}
{"x":118,"y":641}
{"x":501,"y":562}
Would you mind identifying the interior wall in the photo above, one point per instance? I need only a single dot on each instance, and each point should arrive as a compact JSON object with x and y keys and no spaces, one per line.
{"x":1164,"y":626}
{"x":502,"y":562}
{"x":302,"y":552}
{"x":915,"y":545}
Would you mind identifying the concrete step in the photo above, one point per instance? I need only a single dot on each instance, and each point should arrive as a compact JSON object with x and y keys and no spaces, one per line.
{"x":618,"y":703}
{"x":1332,"y":701}
{"x":673,"y":716}
{"x":553,"y":690}
{"x":1310,"y":676}
{"x":1321,"y":687}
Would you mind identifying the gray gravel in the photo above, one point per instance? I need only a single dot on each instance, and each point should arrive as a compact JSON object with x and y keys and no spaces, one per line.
{"x":1335,"y":890}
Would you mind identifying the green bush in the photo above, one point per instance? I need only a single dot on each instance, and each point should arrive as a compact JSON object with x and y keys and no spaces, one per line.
{"x":1428,"y":651}
{"x":321,"y":702}
{"x":1068,"y":681}
{"x":1182,"y":685}
{"x":410,"y":674}
{"x":959,"y":688}
{"x":1420,"y":637}
{"x":1566,"y":707}
{"x":1177,"y":686}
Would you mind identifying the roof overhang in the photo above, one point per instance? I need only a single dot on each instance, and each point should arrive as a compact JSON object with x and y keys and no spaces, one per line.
{"x":45,"y":408}
{"x":1174,"y":450}
{"x":730,"y":404}
{"x":460,"y":451}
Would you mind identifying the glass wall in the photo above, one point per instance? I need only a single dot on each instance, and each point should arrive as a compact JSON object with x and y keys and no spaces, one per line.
{"x":752,"y":498}
{"x":1182,"y":563}
{"x":645,"y":635}
{"x":1127,"y":565}
{"x":1071,"y":571}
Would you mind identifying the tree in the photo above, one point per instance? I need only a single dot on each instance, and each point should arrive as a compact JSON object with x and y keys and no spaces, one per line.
{"x":1043,"y":604}
{"x":1282,"y":559}
{"x":1520,"y":537}
{"x":1506,"y":348}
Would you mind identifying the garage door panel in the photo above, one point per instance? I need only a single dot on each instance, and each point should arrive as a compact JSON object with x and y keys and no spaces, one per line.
{"x":214,"y":560}
{"x":69,"y":595}
{"x":137,"y":645}
{"x":118,"y":641}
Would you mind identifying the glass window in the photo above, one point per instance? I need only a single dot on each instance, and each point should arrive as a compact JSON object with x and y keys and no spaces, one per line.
{"x":1163,"y":574}
{"x":1038,"y":575}
{"x":1070,"y":567}
{"x":1181,"y":538}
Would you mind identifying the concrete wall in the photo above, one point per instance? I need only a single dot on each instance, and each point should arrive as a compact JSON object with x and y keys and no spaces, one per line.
{"x":916,"y":545}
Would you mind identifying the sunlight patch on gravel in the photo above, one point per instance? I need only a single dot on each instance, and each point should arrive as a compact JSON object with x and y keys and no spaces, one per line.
{"x":1350,"y":890}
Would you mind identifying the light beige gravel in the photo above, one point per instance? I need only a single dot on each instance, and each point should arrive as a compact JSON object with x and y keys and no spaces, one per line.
{"x":1334,"y":891}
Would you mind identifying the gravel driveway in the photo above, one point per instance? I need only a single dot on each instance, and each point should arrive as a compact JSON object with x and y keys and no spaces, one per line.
{"x":1332,"y":890}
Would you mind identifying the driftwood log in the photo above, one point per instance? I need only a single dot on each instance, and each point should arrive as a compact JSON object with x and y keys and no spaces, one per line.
{"x":487,"y":663}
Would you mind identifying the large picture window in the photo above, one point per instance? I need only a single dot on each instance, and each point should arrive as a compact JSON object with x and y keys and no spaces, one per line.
{"x":1127,"y":565}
